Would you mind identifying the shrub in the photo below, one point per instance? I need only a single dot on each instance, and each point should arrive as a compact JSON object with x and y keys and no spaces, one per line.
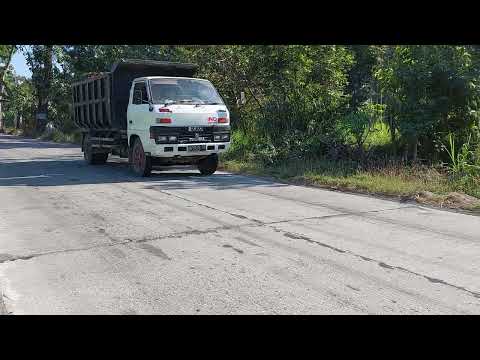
{"x":461,"y":160}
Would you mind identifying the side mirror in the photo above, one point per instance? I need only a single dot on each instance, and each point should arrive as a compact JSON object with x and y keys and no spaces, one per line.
{"x":150,"y":105}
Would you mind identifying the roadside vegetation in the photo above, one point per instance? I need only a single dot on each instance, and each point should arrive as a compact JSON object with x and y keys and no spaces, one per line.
{"x":399,"y":121}
{"x":453,"y":185}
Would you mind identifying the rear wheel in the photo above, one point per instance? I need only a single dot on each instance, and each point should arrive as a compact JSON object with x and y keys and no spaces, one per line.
{"x":141,"y":163}
{"x":100,"y":158}
{"x":90,"y":156}
{"x":208,"y":165}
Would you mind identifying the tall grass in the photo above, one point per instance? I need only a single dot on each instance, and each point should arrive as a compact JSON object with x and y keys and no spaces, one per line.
{"x":461,"y":161}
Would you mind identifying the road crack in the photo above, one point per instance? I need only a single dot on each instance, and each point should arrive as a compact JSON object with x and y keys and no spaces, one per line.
{"x":238,"y":216}
{"x":378,"y":262}
{"x":5,"y":258}
{"x":372,"y":216}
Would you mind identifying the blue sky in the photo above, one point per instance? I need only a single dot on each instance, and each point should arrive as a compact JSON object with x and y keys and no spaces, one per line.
{"x":20,"y":65}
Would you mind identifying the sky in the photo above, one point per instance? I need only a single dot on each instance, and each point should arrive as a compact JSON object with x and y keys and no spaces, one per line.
{"x":20,"y":65}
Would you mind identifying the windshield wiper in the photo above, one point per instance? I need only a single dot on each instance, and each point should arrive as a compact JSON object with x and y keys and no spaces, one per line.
{"x":168,"y":102}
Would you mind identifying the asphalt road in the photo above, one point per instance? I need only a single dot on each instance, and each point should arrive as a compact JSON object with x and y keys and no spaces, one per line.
{"x":79,"y":239}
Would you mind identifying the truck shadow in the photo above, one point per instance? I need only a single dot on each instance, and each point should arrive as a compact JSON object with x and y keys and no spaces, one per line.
{"x":71,"y":170}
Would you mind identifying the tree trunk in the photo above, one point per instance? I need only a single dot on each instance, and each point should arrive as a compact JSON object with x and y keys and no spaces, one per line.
{"x":2,"y":81}
{"x":1,"y":114}
{"x":405,"y":153}
{"x":393,"y":138}
{"x":414,"y":149}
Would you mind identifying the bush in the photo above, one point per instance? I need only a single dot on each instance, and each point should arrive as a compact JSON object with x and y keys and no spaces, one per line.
{"x":61,"y":137}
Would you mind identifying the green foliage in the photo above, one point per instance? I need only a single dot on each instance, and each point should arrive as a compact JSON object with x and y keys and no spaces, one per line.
{"x":20,"y":102}
{"x":461,"y":160}
{"x":379,"y":136}
{"x":429,"y":90}
{"x":361,"y":123}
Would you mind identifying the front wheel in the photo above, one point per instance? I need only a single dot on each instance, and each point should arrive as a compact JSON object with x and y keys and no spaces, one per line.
{"x":208,"y":165}
{"x":141,"y":163}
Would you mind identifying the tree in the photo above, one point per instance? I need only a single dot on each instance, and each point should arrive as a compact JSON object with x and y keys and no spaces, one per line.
{"x":429,"y":91}
{"x":21,"y":105}
{"x":6,"y":54}
{"x":40,"y":60}
{"x":362,"y":85}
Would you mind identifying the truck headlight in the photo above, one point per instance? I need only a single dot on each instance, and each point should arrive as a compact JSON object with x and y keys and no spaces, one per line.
{"x":216,"y":138}
{"x":162,"y":138}
{"x":225,"y":137}
{"x":172,"y":138}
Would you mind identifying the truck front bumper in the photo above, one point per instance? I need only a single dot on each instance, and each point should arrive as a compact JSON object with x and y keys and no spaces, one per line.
{"x":184,"y":150}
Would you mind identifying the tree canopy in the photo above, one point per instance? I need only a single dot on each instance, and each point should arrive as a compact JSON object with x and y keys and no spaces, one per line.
{"x":300,"y":99}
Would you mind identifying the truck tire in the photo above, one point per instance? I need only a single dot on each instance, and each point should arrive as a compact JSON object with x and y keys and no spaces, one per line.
{"x":100,"y":158}
{"x":141,"y":164}
{"x":208,"y":165}
{"x":93,"y":158}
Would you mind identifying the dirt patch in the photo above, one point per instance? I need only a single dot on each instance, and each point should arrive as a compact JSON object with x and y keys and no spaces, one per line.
{"x":451,"y":200}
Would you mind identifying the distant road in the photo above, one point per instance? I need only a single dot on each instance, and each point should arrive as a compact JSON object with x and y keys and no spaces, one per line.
{"x":78,"y":239}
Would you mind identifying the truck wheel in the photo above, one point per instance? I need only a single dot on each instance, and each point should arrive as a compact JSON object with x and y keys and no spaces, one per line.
{"x":88,"y":154}
{"x":93,"y":158}
{"x":208,"y":165}
{"x":100,"y":158}
{"x":141,"y":163}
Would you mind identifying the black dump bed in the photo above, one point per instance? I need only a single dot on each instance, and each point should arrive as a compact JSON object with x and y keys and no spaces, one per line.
{"x":101,"y":100}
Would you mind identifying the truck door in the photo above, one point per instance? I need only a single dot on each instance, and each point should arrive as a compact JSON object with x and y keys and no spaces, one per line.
{"x":138,"y":114}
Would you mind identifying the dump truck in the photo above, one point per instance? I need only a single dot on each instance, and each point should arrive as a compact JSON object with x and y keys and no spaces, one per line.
{"x":154,"y":113}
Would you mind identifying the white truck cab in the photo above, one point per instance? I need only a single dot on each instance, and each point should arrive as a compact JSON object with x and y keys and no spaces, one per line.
{"x":178,"y":120}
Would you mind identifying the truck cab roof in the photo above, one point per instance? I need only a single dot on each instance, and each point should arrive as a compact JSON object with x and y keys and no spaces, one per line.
{"x":144,"y":78}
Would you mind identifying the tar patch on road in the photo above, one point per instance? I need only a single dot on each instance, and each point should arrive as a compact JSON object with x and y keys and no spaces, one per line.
{"x":155,"y":251}
{"x":307,"y":239}
{"x":246,"y":241}
{"x":240,"y":251}
{"x":6,"y":257}
{"x":353,"y":288}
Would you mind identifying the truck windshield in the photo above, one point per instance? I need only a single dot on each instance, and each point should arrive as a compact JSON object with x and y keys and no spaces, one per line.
{"x":184,"y":91}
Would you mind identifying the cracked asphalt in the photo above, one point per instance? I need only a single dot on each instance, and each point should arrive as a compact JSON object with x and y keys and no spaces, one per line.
{"x":78,"y":239}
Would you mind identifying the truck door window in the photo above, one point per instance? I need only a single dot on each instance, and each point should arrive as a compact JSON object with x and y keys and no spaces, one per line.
{"x":140,"y":95}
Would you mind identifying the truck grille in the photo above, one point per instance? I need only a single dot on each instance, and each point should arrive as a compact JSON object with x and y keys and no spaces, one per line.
{"x":189,"y":138}
{"x":185,"y":136}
